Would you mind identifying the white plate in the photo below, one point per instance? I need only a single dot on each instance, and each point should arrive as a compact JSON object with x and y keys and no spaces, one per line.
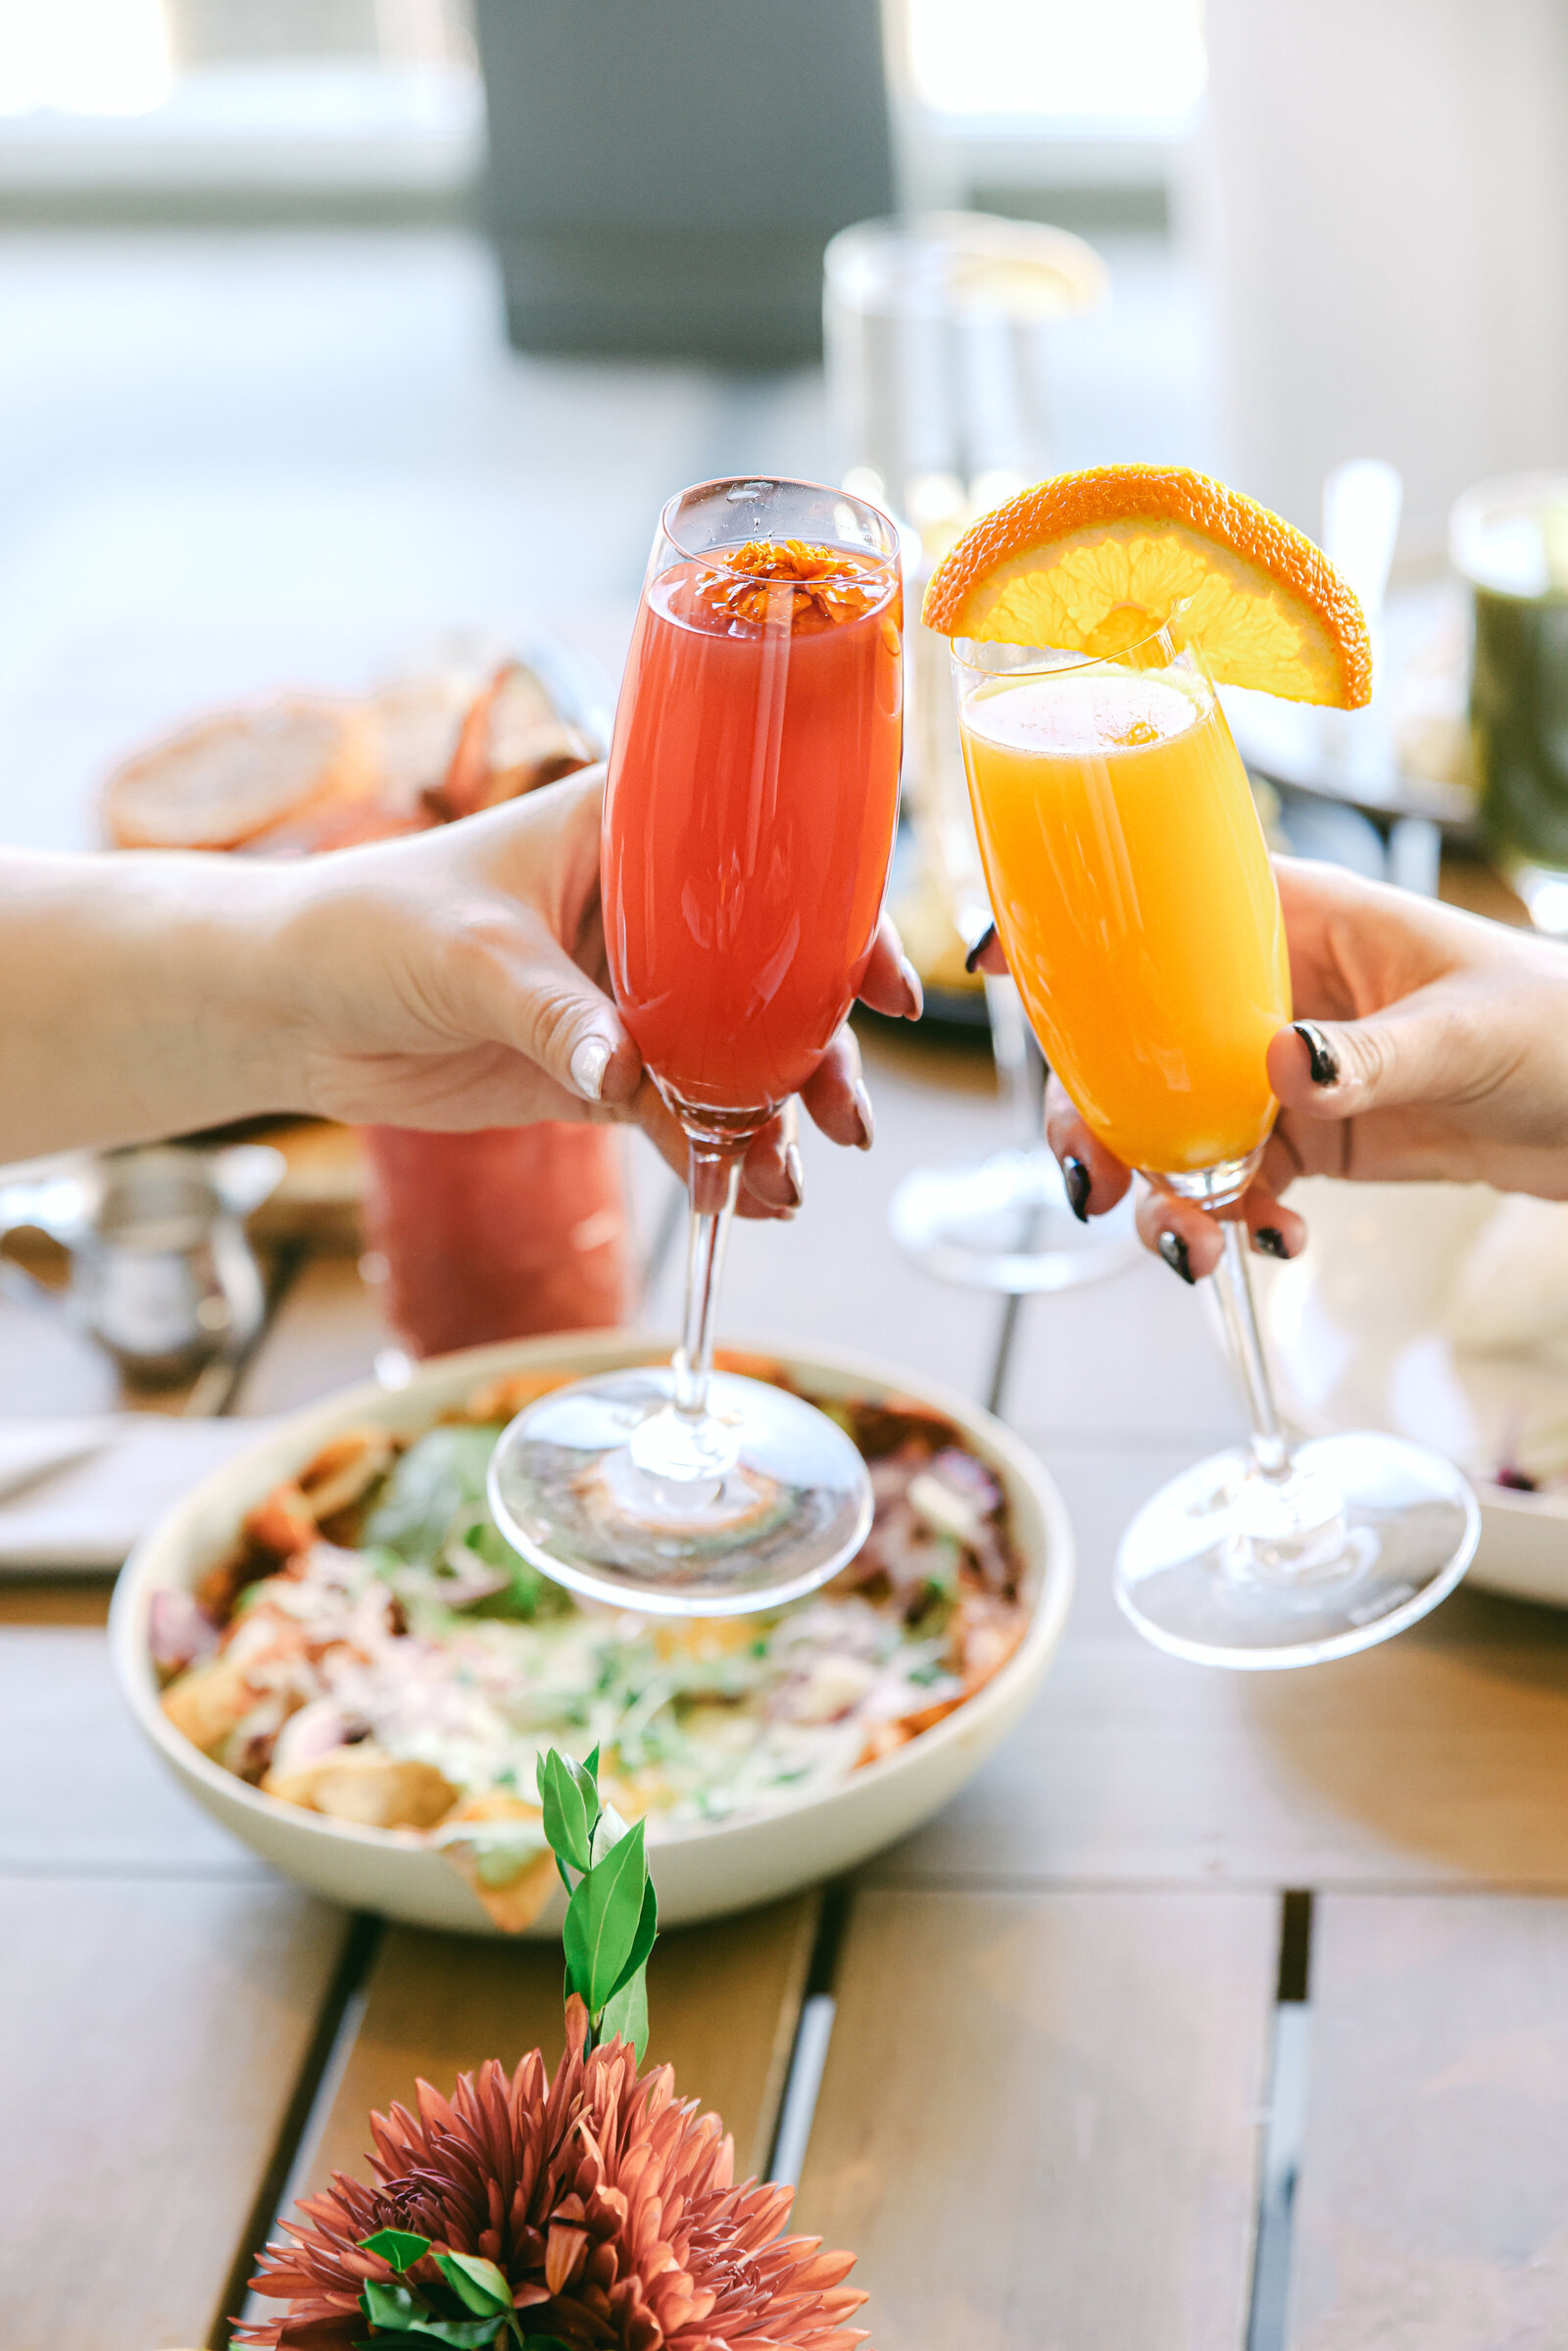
{"x":699,"y":1872}
{"x":1388,"y":1320}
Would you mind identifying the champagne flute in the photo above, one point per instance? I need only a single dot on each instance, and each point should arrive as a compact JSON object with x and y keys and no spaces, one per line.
{"x":749,"y":822}
{"x":1135,"y":902}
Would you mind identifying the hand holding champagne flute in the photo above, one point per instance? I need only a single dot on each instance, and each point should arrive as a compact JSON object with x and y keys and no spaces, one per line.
{"x":749,"y":823}
{"x":1137,"y":908}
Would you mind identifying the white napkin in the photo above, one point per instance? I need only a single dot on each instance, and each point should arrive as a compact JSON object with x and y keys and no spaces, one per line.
{"x":78,"y":1493}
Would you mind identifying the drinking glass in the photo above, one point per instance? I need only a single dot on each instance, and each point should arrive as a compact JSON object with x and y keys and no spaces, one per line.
{"x":1509,"y":540}
{"x":749,"y":822}
{"x":1135,"y":898}
{"x":1001,"y":1222}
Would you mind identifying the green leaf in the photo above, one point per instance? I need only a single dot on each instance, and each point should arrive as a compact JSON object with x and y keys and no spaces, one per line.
{"x":395,"y":2311}
{"x":626,"y":2014}
{"x":400,"y":2248}
{"x":570,"y":1800}
{"x":440,"y":1477}
{"x":602,"y":1918}
{"x":643,"y":1942}
{"x":478,"y":2283}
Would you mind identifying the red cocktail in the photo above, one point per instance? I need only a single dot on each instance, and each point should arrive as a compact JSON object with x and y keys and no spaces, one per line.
{"x":749,"y":823}
{"x":752,"y":790}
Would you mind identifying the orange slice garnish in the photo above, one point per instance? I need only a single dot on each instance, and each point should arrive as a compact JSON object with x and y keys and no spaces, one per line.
{"x":1092,"y":562}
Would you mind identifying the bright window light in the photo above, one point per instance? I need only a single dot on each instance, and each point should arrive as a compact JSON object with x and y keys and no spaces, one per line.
{"x":1056,"y":58}
{"x":84,"y":57}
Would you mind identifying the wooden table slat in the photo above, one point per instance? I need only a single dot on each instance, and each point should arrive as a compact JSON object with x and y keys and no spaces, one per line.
{"x":1039,"y":2122}
{"x":151,"y":2038}
{"x":724,"y":2001}
{"x":1432,"y":2209}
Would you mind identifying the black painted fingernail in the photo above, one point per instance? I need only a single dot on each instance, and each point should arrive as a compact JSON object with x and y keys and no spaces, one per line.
{"x":1322,"y":1059}
{"x":1079,"y":1183}
{"x":972,"y":959}
{"x":1270,"y":1240}
{"x":1173,"y":1248}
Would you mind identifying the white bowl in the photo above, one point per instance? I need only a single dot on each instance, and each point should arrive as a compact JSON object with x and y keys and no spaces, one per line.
{"x":1367,"y":1330}
{"x":700,"y":1871}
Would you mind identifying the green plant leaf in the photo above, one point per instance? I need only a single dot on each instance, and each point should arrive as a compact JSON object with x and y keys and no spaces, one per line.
{"x":602,"y":1918}
{"x":398,"y":2313}
{"x":570,"y":1798}
{"x":626,"y":2014}
{"x":643,"y":1942}
{"x":478,"y":2283}
{"x":400,"y":2248}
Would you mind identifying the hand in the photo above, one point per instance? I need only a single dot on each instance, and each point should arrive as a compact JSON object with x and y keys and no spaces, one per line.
{"x":458,"y":980}
{"x":1436,"y":1046}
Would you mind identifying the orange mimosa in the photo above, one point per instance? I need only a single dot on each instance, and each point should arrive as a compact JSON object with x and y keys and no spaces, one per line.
{"x":1134,"y":895}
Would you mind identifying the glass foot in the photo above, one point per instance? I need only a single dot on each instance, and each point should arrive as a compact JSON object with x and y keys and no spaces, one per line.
{"x":610,"y":1490}
{"x":1364,"y":1534}
{"x":1004,"y":1223}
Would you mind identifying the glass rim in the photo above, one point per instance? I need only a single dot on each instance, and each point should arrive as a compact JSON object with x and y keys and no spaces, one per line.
{"x":777,"y":481}
{"x":1056,"y":662}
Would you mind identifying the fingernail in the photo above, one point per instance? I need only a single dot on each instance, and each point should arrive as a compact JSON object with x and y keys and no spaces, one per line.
{"x":588,"y":1065}
{"x":866,"y":1114}
{"x":1079,"y":1183}
{"x":795,"y":1173}
{"x":1173,"y":1248}
{"x":911,"y":980}
{"x":1322,"y":1059}
{"x":971,"y":960}
{"x":1270,"y":1240}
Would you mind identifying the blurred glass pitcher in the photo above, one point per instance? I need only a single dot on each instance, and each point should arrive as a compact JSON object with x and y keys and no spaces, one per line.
{"x":162,"y":1271}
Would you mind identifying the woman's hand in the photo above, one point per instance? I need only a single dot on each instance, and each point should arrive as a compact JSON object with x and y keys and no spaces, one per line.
{"x":1427,"y":1043}
{"x":458,"y":980}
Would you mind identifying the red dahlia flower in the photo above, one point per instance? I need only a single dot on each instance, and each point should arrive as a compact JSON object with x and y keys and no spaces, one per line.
{"x":607,"y":2204}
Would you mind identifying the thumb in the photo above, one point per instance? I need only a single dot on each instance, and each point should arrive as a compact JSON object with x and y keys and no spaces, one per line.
{"x":1340,"y":1069}
{"x":549,"y":1010}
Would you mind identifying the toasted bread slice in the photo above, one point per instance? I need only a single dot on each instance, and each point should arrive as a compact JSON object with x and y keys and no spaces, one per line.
{"x":512,"y":740}
{"x":231,"y":777}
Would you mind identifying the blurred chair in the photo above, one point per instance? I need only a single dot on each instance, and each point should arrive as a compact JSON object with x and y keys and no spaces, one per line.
{"x":663,"y":179}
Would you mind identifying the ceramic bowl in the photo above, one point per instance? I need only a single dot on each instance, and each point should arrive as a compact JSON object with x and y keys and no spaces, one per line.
{"x":700,"y":1871}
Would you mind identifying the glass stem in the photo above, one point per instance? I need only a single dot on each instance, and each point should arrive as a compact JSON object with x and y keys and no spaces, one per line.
{"x":713,"y":1181}
{"x":1271,"y":1453}
{"x":1009,"y":1047}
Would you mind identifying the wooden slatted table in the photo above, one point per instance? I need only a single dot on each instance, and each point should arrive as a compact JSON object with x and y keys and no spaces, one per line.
{"x":1062,"y":2083}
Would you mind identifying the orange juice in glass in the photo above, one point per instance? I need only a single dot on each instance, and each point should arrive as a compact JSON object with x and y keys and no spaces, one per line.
{"x":1134,"y":895}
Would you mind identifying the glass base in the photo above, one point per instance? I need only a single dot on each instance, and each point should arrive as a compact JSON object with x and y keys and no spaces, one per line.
{"x":1002,"y":1223}
{"x":610,"y":1490}
{"x":1364,"y":1534}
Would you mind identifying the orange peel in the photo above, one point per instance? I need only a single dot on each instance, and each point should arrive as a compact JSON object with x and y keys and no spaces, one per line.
{"x":1092,"y":562}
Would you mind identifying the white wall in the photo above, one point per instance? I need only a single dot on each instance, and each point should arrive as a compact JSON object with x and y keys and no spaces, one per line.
{"x":1382,"y":206}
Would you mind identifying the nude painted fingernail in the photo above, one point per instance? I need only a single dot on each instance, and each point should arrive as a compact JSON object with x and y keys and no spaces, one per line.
{"x":1322,"y":1059}
{"x":795,"y":1173}
{"x":866,"y":1114}
{"x":588,"y":1065}
{"x":1078,"y":1182}
{"x":972,"y":961}
{"x":1269,"y":1242}
{"x":912,"y":981}
{"x":1173,"y":1248}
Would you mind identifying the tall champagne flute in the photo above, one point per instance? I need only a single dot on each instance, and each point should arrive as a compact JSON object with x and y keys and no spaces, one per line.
{"x":1134,"y":895}
{"x":749,"y":822}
